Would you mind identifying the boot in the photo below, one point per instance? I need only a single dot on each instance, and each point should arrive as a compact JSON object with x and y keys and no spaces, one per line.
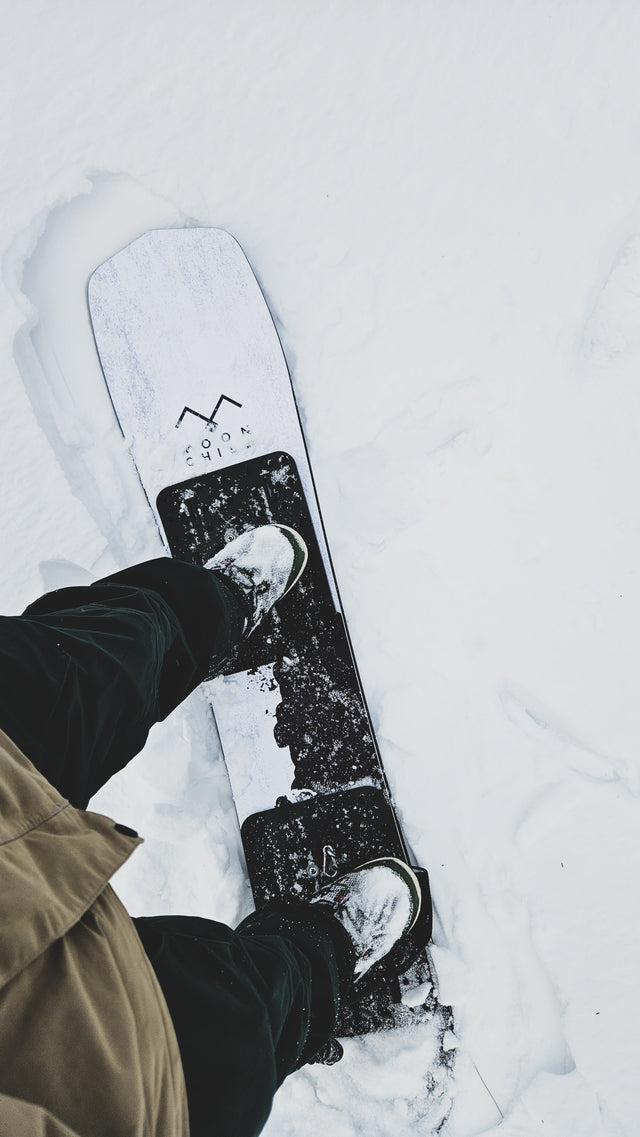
{"x":264,"y":564}
{"x":377,"y":903}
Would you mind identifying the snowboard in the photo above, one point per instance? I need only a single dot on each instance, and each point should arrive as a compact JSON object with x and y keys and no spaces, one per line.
{"x":201,"y":389}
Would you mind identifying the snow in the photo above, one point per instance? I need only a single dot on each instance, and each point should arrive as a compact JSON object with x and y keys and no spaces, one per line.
{"x":441,"y":203}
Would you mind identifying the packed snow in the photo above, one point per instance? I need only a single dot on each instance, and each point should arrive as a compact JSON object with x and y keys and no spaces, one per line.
{"x":441,"y":202}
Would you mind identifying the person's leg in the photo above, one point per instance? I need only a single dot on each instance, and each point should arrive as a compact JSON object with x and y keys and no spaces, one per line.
{"x":85,"y":672}
{"x":249,"y":1006}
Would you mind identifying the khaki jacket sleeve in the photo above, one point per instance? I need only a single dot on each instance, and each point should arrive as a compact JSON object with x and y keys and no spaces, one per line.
{"x":23,"y":1119}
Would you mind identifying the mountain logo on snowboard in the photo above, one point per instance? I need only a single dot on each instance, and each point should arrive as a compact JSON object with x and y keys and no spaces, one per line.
{"x":207,"y":450}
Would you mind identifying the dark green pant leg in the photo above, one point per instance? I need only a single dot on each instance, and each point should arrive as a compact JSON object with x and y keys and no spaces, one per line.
{"x":249,"y":1006}
{"x":85,"y":672}
{"x":325,"y":945}
{"x":210,"y":615}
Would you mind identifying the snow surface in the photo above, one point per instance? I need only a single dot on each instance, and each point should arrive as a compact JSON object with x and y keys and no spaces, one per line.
{"x":442,"y":203}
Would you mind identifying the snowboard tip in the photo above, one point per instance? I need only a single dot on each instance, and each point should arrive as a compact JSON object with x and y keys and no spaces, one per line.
{"x":172,"y":236}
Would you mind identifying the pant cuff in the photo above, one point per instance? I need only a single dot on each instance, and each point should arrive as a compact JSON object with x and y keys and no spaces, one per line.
{"x":327,"y":945}
{"x":210,"y":614}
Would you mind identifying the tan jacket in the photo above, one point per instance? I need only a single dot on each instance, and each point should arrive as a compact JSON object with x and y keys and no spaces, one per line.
{"x":87,"y":1047}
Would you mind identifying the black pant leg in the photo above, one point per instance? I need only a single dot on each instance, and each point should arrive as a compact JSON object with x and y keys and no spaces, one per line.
{"x":85,"y":672}
{"x":248,"y":1006}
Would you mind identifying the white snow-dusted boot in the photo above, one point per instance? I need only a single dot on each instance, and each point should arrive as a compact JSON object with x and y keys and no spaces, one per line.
{"x":264,"y":564}
{"x":377,"y":903}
